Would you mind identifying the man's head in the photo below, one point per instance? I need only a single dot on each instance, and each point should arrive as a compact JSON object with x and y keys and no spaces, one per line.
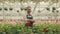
{"x":28,"y":10}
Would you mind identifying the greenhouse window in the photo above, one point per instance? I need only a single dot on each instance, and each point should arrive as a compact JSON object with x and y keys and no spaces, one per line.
{"x":5,"y":9}
{"x":53,"y":8}
{"x":0,"y":9}
{"x":17,"y":10}
{"x":21,"y":8}
{"x":11,"y":9}
{"x":48,"y":9}
{"x":25,"y":9}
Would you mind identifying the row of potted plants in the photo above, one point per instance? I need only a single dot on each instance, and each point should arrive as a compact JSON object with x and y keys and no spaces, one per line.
{"x":48,"y":28}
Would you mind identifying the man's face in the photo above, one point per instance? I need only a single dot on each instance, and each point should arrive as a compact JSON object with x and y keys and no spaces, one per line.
{"x":28,"y":11}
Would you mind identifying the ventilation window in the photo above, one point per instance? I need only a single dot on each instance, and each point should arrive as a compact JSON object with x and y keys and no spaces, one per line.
{"x":11,"y":9}
{"x":17,"y":10}
{"x":25,"y":9}
{"x":22,"y":9}
{"x":5,"y":9}
{"x":48,"y":9}
{"x":53,"y":8}
{"x":0,"y":9}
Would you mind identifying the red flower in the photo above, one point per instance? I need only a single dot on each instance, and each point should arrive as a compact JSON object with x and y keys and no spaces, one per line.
{"x":27,"y":23}
{"x":45,"y":29}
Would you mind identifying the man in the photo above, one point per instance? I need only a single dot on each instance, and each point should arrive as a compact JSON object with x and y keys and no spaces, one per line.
{"x":29,"y":17}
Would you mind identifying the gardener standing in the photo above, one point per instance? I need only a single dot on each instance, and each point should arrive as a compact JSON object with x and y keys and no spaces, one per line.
{"x":29,"y":18}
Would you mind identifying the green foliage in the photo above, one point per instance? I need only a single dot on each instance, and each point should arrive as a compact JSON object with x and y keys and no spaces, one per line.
{"x":22,"y":29}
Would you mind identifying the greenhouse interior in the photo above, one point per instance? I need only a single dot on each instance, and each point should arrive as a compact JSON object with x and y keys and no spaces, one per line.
{"x":29,"y":16}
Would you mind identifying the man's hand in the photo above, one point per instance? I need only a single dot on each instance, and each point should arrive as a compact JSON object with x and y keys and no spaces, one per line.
{"x":32,"y":20}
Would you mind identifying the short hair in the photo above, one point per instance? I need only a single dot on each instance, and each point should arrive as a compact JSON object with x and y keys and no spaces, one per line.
{"x":28,"y":7}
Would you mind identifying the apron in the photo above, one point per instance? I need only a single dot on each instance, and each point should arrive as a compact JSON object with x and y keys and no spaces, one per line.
{"x":29,"y":23}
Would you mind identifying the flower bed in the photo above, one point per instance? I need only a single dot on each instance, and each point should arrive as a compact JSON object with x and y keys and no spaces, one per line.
{"x":21,"y":29}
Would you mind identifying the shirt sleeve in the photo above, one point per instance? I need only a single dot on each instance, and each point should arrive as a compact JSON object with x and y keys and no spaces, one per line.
{"x":33,"y":17}
{"x":25,"y":18}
